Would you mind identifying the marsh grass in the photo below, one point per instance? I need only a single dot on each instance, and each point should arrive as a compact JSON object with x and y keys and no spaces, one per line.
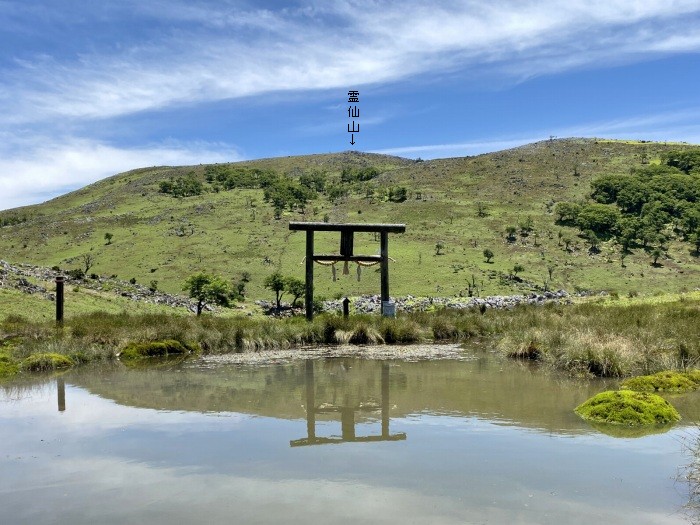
{"x":606,"y":340}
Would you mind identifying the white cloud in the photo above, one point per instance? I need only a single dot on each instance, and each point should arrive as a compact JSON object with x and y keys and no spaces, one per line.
{"x":33,"y":171}
{"x":328,"y":45}
{"x":205,"y":52}
{"x":671,"y":126}
{"x":461,"y":149}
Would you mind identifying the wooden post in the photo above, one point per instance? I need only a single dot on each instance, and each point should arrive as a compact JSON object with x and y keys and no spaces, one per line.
{"x":347,"y":423}
{"x":59,"y":300}
{"x":346,"y":307}
{"x":310,"y":401}
{"x":384,"y":263}
{"x":61,"y":387}
{"x":385,"y":400}
{"x":309,"y":298}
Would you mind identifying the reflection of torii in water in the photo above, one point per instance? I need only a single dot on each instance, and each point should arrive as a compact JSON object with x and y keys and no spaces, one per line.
{"x":347,"y":415}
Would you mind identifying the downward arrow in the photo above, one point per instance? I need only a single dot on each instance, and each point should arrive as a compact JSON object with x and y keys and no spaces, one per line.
{"x":352,"y":138}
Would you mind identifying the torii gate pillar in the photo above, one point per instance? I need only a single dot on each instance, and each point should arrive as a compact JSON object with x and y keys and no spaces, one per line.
{"x":346,"y":248}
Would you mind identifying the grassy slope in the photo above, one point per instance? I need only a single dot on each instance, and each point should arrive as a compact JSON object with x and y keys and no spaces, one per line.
{"x":229,"y":237}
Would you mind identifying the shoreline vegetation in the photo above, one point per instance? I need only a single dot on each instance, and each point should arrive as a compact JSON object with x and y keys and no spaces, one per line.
{"x":595,"y":338}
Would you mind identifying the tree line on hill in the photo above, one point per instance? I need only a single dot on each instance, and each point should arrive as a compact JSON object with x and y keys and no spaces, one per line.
{"x":292,"y":191}
{"x":643,"y":208}
{"x":12,"y":219}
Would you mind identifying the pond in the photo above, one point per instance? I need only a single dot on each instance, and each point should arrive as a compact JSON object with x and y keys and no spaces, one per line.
{"x":463,"y":439}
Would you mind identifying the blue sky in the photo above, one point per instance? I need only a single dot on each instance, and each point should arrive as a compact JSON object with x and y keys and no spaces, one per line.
{"x":90,"y":89}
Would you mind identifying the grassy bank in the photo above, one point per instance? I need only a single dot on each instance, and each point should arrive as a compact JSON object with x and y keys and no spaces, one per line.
{"x":599,"y":338}
{"x":607,"y":339}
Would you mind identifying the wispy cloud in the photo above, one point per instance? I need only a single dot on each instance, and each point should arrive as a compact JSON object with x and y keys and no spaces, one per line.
{"x":228,"y":53}
{"x":160,"y":55}
{"x":39,"y":170}
{"x":671,"y":126}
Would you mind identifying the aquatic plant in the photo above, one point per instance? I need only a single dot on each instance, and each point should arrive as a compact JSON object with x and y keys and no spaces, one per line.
{"x":626,"y":407}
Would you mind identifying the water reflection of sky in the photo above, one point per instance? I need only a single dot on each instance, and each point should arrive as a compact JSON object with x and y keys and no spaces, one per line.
{"x":102,"y":462}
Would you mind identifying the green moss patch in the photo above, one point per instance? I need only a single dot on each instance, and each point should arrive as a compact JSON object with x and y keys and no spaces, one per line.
{"x":46,"y":361}
{"x":693,"y":375}
{"x":8,"y":367}
{"x":666,"y":381}
{"x":158,"y":349}
{"x":626,"y":407}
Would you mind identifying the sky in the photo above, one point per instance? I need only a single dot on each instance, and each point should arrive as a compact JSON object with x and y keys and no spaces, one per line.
{"x":91,"y":89}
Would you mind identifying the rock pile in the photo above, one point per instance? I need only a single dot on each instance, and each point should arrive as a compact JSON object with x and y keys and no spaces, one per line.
{"x":372,"y":303}
{"x":18,"y":277}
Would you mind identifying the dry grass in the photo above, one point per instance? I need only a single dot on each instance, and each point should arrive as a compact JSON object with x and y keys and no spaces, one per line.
{"x":584,"y":339}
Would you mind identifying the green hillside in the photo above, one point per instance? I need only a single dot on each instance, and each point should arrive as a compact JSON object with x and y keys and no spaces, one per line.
{"x":464,"y":204}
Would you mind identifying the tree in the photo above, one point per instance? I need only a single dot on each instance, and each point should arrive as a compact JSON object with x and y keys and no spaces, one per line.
{"x":439,"y":246}
{"x":207,"y":289}
{"x":276,"y":283}
{"x":695,"y":239}
{"x":526,"y":226}
{"x":108,"y":237}
{"x":594,"y":243}
{"x":567,"y":211}
{"x":517,"y":269}
{"x":295,"y":287}
{"x":655,"y":254}
{"x":600,"y":218}
{"x":488,"y":254}
{"x":88,"y":260}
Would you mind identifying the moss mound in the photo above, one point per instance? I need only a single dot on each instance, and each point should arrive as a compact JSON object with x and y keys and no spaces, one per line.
{"x":693,"y":375}
{"x":46,"y":361}
{"x":158,"y":349}
{"x":666,"y":381}
{"x":8,"y":367}
{"x":626,"y":407}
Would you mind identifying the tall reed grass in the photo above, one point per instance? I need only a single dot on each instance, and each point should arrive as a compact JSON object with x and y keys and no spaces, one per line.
{"x":583,"y":339}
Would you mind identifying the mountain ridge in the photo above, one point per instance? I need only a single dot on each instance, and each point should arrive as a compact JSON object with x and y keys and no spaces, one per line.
{"x":159,"y":237}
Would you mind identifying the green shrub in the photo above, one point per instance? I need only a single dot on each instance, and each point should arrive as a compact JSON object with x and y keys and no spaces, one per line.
{"x":76,"y":274}
{"x":626,"y":407}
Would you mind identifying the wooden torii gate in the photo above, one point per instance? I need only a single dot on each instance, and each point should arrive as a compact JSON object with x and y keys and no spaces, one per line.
{"x":346,"y":252}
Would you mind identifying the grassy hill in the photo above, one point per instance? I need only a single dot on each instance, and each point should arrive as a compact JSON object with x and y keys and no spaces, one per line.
{"x":465,"y":204}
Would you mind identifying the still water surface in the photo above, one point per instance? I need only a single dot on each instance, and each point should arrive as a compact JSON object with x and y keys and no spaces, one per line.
{"x":471,"y":440}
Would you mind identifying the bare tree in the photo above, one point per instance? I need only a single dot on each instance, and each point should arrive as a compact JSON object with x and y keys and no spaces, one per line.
{"x":88,"y":260}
